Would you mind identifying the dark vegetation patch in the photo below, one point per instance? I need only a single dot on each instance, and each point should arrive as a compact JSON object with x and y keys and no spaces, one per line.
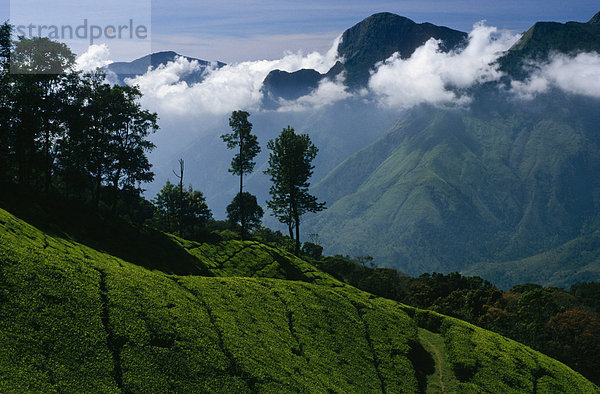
{"x":423,"y":364}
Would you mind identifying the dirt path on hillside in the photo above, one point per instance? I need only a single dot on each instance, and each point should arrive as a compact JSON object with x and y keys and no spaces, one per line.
{"x":438,"y":356}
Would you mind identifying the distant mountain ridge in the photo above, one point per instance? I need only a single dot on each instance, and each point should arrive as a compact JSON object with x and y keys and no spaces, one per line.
{"x":137,"y":67}
{"x":288,"y":86}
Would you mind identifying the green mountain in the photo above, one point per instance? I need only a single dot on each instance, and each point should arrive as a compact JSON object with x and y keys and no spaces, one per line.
{"x":75,"y":318}
{"x":577,"y":260}
{"x":446,"y":189}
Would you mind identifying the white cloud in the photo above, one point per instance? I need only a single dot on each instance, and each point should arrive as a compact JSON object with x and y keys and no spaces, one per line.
{"x":223,"y":90}
{"x":96,"y":56}
{"x":578,"y":74}
{"x":432,"y":76}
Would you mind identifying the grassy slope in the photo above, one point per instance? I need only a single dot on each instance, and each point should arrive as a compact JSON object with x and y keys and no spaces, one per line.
{"x":152,"y":249}
{"x":76,"y":319}
{"x":252,"y":259}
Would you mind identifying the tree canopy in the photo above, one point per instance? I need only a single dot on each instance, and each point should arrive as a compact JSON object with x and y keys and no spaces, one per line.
{"x":66,"y":130}
{"x":290,"y":168}
{"x":243,"y":161}
{"x":174,"y":211}
{"x":245,"y":202}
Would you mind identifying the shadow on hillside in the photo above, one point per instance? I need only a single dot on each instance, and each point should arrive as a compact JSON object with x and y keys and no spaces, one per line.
{"x":100,"y":230}
{"x":423,"y":364}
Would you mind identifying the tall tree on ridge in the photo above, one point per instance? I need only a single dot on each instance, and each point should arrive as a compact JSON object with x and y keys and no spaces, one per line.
{"x":242,"y":163}
{"x":290,"y":167}
{"x":247,"y":203}
{"x":183,"y":210}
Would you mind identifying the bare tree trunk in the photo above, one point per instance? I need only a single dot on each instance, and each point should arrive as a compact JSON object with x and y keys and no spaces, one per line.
{"x":180,"y":176}
{"x":242,"y":213}
{"x":290,"y":223}
{"x":297,"y":237}
{"x":297,"y":224}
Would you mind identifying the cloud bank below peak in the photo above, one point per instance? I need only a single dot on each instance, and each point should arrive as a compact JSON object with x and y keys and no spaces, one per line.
{"x":578,"y":74}
{"x":436,"y":77}
{"x":429,"y":75}
{"x":223,"y":89}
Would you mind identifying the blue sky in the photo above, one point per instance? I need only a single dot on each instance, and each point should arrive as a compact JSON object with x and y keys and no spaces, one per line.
{"x":234,"y":31}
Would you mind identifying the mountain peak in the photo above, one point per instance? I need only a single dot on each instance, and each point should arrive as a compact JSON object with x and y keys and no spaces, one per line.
{"x":383,"y":16}
{"x":166,"y":53}
{"x":370,"y":41}
{"x":381,"y":35}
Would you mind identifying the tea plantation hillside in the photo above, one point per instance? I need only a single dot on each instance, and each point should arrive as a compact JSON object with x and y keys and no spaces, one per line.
{"x":75,"y":319}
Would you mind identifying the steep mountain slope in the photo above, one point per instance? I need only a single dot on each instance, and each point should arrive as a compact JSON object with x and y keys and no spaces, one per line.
{"x":445,"y":189}
{"x":76,"y":319}
{"x":137,"y":67}
{"x":504,"y":181}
